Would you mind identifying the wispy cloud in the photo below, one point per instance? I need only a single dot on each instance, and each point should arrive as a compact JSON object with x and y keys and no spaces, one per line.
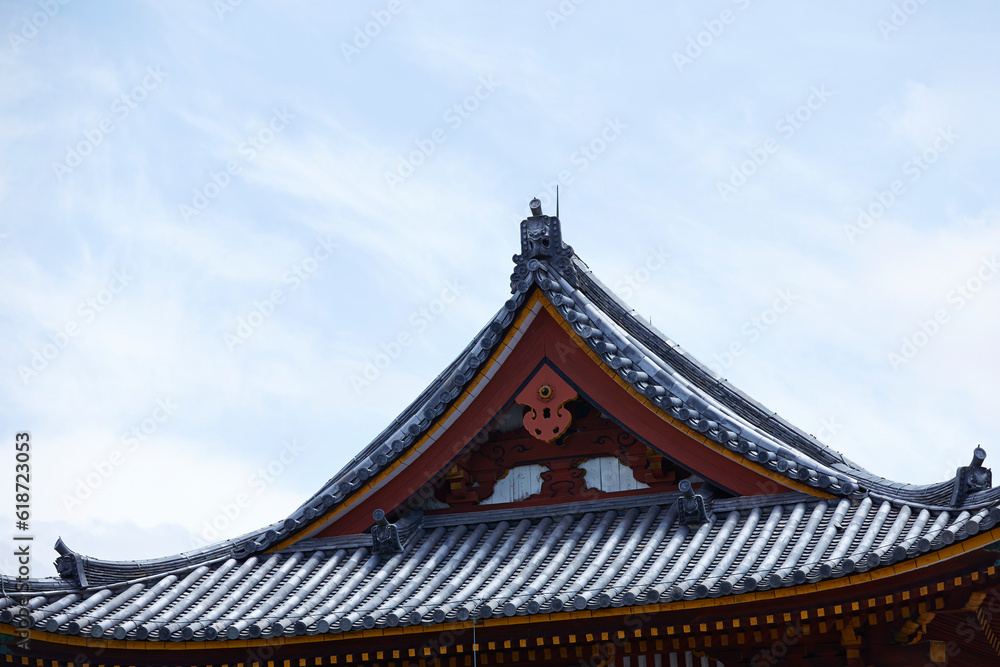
{"x":453,"y":221}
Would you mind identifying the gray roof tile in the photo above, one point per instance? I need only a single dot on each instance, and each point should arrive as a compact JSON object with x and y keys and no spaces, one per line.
{"x":544,"y":562}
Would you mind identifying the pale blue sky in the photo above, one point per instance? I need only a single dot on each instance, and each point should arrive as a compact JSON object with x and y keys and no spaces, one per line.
{"x":270,"y":155}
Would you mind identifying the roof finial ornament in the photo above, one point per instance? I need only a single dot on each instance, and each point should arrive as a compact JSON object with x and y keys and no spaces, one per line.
{"x":385,"y":535}
{"x":971,"y":478}
{"x":69,"y":564}
{"x":541,"y":240}
{"x":690,"y":506}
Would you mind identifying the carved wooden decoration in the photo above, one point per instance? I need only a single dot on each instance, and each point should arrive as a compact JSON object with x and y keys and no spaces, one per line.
{"x":564,"y":479}
{"x":546,"y":395}
{"x":592,"y":458}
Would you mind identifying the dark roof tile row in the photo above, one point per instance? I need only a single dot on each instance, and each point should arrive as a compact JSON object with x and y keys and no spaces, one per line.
{"x":594,"y":557}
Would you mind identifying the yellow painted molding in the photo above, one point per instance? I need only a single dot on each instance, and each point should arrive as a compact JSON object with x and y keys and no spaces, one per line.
{"x":414,"y":450}
{"x":779,"y":479}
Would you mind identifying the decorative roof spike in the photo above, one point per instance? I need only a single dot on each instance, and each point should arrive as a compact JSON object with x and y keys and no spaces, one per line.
{"x":971,"y":478}
{"x":690,"y":506}
{"x":69,"y":565}
{"x":541,"y":239}
{"x":385,"y":535}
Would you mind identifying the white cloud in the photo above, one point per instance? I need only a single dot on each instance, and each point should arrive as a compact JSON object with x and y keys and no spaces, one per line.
{"x":164,"y":336}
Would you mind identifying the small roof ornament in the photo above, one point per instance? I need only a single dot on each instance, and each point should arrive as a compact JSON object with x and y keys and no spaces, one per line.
{"x":385,"y":535}
{"x":690,"y":506}
{"x":541,"y":235}
{"x":541,"y":239}
{"x":69,"y":564}
{"x":972,"y":478}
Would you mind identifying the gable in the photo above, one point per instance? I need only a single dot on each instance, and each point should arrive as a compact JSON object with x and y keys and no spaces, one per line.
{"x":540,"y":337}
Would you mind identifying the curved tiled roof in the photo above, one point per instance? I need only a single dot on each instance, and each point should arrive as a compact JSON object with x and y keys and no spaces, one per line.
{"x":608,"y":555}
{"x":660,"y":370}
{"x":701,"y":380}
{"x":652,"y":364}
{"x":494,"y":563}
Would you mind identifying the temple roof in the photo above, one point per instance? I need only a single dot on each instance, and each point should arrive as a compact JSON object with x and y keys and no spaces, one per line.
{"x":294,"y":577}
{"x":584,"y":555}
